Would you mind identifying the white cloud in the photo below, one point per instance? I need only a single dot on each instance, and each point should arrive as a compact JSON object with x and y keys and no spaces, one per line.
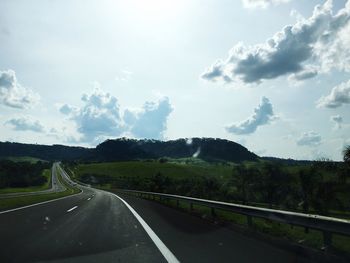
{"x":97,"y":118}
{"x":339,"y":95}
{"x":25,"y":124}
{"x":310,"y":138}
{"x":150,"y":121}
{"x":100,"y":118}
{"x":262,"y":3}
{"x":12,"y":94}
{"x":67,"y":109}
{"x":263,"y":114}
{"x":338,"y":120}
{"x":297,"y":50}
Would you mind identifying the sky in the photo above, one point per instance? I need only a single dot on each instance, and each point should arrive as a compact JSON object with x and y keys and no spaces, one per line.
{"x":272,"y":75}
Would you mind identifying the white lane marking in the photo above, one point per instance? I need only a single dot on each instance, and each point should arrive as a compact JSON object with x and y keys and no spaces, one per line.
{"x":89,"y":199}
{"x":28,"y":206}
{"x":169,"y":256}
{"x":74,"y":207}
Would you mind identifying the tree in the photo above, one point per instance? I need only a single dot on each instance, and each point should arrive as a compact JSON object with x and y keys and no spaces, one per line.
{"x":274,"y":184}
{"x":346,"y":154}
{"x":244,"y":179}
{"x":308,"y":183}
{"x":326,"y":198}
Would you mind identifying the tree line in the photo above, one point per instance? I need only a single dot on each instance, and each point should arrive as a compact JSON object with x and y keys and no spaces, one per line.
{"x":22,"y":174}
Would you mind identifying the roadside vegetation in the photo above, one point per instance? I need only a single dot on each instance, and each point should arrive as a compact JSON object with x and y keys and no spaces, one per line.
{"x":47,"y":185}
{"x":14,"y":202}
{"x":321,"y":187}
{"x":23,"y":176}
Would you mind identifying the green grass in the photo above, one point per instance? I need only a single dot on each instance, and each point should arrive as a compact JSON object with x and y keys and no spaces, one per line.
{"x":148,"y":169}
{"x":14,"y":202}
{"x":47,"y":185}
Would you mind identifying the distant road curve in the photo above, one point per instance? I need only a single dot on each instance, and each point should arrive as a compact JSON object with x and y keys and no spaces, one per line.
{"x":56,"y":186}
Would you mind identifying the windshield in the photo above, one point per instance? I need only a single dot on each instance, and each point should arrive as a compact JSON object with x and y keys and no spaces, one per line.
{"x":175,"y":131}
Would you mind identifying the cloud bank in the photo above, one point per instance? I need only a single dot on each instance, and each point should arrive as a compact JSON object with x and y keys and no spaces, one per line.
{"x":263,"y":114}
{"x":310,"y":138}
{"x":13,"y":95}
{"x":301,"y":50}
{"x":100,"y":117}
{"x":339,"y":95}
{"x":25,"y":124}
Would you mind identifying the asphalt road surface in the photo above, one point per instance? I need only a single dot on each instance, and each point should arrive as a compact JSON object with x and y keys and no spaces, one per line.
{"x":97,"y":226}
{"x":193,"y":239}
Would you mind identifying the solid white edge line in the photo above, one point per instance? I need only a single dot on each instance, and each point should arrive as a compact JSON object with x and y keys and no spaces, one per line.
{"x":49,"y":201}
{"x":74,"y":207}
{"x":169,"y":256}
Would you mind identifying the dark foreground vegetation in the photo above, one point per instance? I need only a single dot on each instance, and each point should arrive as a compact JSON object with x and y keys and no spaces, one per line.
{"x":22,"y":174}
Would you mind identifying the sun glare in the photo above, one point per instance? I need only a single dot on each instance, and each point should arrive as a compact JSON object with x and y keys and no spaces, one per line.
{"x":152,"y":10}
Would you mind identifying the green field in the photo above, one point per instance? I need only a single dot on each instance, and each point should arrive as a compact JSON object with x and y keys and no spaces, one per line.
{"x":144,"y":169}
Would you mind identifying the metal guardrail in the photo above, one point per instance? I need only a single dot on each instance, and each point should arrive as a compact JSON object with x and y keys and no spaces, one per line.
{"x":328,"y":225}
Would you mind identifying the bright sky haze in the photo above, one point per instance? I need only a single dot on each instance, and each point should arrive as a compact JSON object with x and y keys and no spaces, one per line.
{"x":272,"y":75}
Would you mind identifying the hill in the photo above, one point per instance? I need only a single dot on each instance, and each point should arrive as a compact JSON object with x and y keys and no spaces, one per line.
{"x":208,"y":149}
{"x":124,"y":149}
{"x":44,"y":152}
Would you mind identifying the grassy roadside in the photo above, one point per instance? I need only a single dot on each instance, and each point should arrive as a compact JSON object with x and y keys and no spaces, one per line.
{"x":47,"y":185}
{"x":263,"y":227}
{"x":14,"y":202}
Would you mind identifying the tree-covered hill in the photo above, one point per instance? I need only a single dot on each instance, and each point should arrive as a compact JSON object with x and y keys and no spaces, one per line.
{"x":130,"y":149}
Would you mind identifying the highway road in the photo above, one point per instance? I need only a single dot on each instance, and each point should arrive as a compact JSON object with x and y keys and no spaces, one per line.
{"x":98,"y":226}
{"x":55,"y":186}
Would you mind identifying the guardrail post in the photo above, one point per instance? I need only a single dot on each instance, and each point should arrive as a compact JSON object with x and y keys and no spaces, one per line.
{"x":191,"y":207}
{"x":327,"y":239}
{"x":177,"y":203}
